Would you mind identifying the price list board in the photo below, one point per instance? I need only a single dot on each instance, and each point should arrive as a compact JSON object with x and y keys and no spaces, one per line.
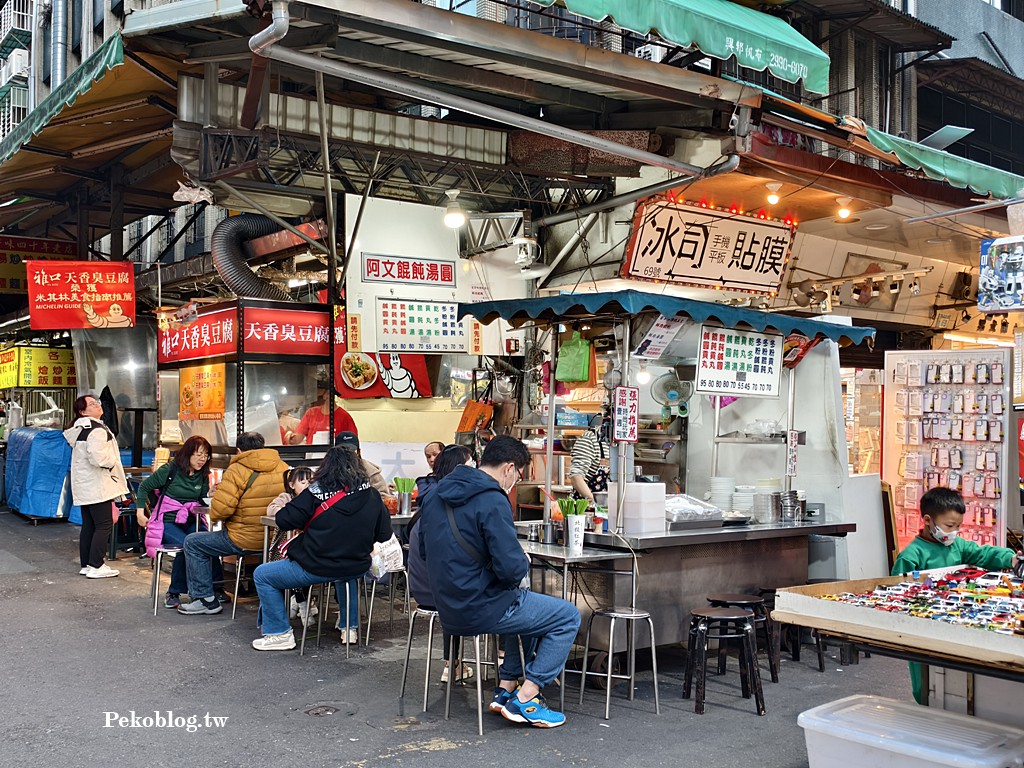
{"x":741,"y":363}
{"x":419,"y":326}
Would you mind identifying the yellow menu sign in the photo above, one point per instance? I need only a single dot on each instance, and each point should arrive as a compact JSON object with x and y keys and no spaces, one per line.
{"x":37,"y":367}
{"x":201,"y":392}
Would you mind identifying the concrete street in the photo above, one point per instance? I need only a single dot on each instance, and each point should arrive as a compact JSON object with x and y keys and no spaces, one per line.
{"x":76,"y":649}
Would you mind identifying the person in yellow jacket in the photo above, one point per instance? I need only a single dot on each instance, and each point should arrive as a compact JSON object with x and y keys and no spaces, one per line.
{"x":253,"y":479}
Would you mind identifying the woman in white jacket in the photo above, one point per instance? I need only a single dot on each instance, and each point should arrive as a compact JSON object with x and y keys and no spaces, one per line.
{"x":97,"y":480}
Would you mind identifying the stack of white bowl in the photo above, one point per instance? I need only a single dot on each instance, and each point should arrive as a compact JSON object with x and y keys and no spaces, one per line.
{"x":721,"y":492}
{"x":743,"y":498}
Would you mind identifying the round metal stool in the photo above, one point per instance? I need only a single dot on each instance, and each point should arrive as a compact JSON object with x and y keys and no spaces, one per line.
{"x":630,"y":616}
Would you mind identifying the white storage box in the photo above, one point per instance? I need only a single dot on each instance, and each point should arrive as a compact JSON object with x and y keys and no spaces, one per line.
{"x":872,"y":731}
{"x":643,"y":509}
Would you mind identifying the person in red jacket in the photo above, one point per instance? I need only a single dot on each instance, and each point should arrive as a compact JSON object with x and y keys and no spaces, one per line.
{"x":317,"y":419}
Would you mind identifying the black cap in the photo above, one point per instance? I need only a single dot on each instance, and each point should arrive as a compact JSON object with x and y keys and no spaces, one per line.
{"x":347,"y":440}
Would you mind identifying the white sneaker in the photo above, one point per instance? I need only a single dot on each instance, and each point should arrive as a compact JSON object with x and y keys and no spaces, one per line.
{"x":350,"y":636}
{"x":103,"y":572}
{"x":466,"y":674}
{"x":283,"y":642}
{"x":293,"y":608}
{"x":85,"y":570}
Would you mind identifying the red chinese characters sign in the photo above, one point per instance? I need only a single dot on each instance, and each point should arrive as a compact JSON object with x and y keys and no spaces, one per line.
{"x":626,"y":413}
{"x":80,"y":294}
{"x":210,"y":335}
{"x":270,"y":331}
{"x":15,"y":250}
{"x":407,"y":270}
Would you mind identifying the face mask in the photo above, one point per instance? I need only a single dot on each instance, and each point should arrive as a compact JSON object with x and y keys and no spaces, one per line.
{"x":943,"y":537}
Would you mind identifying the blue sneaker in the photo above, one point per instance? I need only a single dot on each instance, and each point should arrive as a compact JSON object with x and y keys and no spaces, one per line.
{"x":535,"y":712}
{"x":501,"y":698}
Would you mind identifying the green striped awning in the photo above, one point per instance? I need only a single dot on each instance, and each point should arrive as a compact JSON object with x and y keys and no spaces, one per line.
{"x":719,"y":28}
{"x":106,"y":57}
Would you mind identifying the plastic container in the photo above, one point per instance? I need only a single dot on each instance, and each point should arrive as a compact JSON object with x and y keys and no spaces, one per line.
{"x":870,"y":730}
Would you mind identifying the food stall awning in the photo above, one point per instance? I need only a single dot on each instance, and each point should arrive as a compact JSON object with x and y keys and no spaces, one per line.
{"x":719,"y":28}
{"x":879,"y":18}
{"x":616,"y":304}
{"x":117,"y":108}
{"x":944,"y":166}
{"x":851,"y":133}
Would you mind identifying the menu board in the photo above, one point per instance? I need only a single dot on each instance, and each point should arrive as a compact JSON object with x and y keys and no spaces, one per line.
{"x":37,"y":367}
{"x":746,"y":363}
{"x":420,"y":326}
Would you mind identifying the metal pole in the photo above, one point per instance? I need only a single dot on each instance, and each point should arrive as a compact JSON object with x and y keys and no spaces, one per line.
{"x":332,"y":240}
{"x":549,"y":451}
{"x":623,"y":446}
{"x":790,"y":415}
{"x":714,"y":437}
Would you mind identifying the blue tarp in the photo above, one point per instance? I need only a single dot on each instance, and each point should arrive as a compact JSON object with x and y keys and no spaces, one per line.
{"x":36,"y":478}
{"x":585,"y":306}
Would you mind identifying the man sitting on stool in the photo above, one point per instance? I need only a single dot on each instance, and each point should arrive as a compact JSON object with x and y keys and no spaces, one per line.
{"x":475,"y":565}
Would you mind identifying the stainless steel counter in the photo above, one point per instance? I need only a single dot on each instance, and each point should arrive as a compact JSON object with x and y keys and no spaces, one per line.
{"x":694,"y":536}
{"x":679,"y":569}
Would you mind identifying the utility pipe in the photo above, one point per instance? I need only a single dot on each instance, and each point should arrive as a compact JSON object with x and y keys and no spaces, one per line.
{"x":265,"y":44}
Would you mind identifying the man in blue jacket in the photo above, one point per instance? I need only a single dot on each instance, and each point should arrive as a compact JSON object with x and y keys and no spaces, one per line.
{"x":475,"y":565}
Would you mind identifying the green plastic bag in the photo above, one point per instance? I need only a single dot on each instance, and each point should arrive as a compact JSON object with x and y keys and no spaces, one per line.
{"x":573,"y":360}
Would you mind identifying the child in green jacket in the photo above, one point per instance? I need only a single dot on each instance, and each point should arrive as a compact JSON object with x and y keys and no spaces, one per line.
{"x":939,"y":545}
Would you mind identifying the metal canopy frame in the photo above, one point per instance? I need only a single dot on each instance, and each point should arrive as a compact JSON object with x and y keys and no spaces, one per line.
{"x":978,"y":81}
{"x":900,"y":31}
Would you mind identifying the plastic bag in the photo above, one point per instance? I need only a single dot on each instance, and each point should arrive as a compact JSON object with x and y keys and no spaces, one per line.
{"x":573,"y":359}
{"x":387,"y":556}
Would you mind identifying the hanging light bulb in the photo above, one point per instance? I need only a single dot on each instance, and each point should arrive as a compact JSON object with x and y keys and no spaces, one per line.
{"x":773,"y":192}
{"x":643,"y":376}
{"x":454,"y":216}
{"x":844,"y":207}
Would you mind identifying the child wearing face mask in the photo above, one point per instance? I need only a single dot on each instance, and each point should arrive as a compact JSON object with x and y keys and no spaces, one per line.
{"x":939,"y":545}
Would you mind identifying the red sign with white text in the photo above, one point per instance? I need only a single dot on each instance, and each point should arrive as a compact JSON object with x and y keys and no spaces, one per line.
{"x":80,"y":294}
{"x":210,"y":335}
{"x":285,"y":332}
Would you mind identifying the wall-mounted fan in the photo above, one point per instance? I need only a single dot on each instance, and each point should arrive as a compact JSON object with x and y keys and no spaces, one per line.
{"x":671,"y":394}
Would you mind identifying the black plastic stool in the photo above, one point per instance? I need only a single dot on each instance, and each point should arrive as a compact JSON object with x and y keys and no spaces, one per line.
{"x":762,"y":619}
{"x":722,"y":624}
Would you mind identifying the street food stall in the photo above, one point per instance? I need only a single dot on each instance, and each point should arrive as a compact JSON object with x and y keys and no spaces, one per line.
{"x":684,"y":560}
{"x":245,"y":366}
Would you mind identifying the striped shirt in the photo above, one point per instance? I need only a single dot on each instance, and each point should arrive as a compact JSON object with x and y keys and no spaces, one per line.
{"x":587,"y":452}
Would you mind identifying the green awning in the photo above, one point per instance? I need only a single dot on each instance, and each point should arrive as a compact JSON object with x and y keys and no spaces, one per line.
{"x":719,"y":28}
{"x":106,"y":57}
{"x":943,"y":166}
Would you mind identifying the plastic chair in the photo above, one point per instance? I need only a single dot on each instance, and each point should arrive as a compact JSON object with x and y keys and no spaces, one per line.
{"x":722,"y":624}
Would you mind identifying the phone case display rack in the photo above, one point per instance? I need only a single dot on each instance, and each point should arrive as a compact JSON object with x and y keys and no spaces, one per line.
{"x":946,"y":422}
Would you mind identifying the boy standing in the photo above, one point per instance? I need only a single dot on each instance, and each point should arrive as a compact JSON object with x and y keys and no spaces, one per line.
{"x":939,"y":545}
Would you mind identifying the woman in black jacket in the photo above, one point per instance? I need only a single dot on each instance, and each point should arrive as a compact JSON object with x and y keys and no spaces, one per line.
{"x":341,"y":516}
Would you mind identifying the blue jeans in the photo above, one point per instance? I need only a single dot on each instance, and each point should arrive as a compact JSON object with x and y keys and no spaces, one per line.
{"x":199,"y":548}
{"x":547,"y":626}
{"x":272,"y":579}
{"x":174,"y":536}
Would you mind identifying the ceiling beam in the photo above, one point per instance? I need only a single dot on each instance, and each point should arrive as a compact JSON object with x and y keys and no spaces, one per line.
{"x":435,"y":70}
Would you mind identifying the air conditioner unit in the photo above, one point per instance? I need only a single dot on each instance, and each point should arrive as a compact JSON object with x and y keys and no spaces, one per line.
{"x":16,"y":66}
{"x":651,"y":52}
